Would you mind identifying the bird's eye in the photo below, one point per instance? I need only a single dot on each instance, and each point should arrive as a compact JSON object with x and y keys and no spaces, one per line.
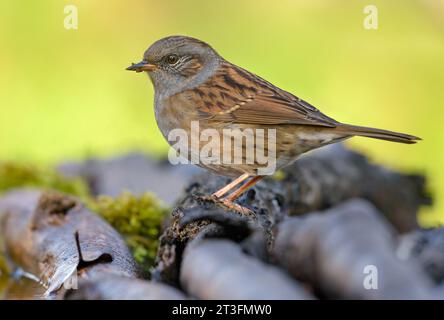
{"x":172,"y":59}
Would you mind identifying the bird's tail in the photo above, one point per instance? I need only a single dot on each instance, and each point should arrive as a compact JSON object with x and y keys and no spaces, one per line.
{"x":377,"y":133}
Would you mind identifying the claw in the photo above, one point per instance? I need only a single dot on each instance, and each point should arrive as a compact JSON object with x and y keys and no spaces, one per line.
{"x":227,"y":203}
{"x":238,"y":208}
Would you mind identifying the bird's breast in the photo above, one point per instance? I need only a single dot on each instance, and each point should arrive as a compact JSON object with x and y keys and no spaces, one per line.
{"x":174,"y":113}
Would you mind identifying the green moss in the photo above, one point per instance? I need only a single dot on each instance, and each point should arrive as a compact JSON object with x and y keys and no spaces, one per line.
{"x":3,"y":266}
{"x":13,"y":175}
{"x":138,"y":219}
{"x":279,"y":175}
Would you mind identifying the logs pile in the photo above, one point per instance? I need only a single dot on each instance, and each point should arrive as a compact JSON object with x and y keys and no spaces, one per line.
{"x":332,"y":226}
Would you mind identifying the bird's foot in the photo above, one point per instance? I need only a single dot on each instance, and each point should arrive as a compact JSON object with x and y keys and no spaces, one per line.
{"x":228,"y":204}
{"x":207,"y":198}
{"x":237,"y":208}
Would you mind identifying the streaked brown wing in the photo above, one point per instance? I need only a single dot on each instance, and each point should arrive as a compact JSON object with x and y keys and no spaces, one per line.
{"x":238,"y":96}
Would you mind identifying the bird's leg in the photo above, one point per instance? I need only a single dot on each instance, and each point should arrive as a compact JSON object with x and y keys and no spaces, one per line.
{"x":229,"y":200}
{"x":236,"y":194}
{"x":219,"y":193}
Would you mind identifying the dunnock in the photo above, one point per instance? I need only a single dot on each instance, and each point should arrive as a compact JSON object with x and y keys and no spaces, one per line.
{"x":192,"y":82}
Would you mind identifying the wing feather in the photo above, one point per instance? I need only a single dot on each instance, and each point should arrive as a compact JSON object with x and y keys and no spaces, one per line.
{"x":238,"y":96}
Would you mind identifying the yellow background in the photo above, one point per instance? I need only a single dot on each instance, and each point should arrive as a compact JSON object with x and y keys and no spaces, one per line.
{"x":64,"y":94}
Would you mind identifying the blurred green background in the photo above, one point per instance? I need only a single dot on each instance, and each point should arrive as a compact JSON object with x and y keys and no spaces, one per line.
{"x":65,"y":94}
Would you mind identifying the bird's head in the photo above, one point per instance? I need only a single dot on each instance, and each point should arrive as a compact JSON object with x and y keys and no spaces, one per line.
{"x":177,"y":62}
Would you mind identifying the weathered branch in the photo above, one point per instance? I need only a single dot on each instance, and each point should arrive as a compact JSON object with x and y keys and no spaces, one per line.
{"x":318,"y":181}
{"x":337,"y":249}
{"x":217,"y":269}
{"x":425,"y":247}
{"x":53,"y":237}
{"x":112,"y":287}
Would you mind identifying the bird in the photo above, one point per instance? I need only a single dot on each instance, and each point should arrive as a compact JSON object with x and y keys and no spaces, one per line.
{"x":193,"y":82}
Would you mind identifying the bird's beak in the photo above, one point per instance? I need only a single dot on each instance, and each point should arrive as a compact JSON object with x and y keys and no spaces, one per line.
{"x":141,"y":66}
